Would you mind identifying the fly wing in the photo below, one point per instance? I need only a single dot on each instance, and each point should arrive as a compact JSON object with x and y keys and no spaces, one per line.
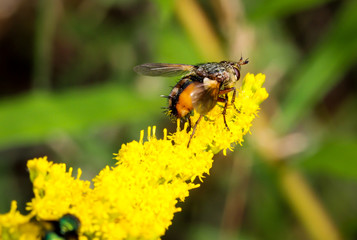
{"x":163,"y":69}
{"x":204,"y":96}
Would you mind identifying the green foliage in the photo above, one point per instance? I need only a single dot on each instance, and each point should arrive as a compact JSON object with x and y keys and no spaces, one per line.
{"x":335,"y":157}
{"x":322,"y":69}
{"x":90,"y":94}
{"x":268,"y":9}
{"x":37,"y":116}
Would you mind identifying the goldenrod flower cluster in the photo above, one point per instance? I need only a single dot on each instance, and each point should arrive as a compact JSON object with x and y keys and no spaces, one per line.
{"x":137,"y":198}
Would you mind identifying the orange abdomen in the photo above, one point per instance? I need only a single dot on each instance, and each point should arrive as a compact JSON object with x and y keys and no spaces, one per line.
{"x":180,"y":102}
{"x":184,"y":104}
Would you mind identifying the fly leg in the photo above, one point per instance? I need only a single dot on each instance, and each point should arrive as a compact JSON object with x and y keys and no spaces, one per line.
{"x":194,"y":130}
{"x":225,"y":91}
{"x":225,"y":100}
{"x":189,"y":124}
{"x":234,"y":99}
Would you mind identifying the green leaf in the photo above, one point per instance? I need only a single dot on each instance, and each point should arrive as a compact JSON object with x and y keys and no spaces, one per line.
{"x":176,"y":47}
{"x":203,"y":232}
{"x":322,"y":69}
{"x":337,"y":157}
{"x":36,"y":116}
{"x":265,"y":9}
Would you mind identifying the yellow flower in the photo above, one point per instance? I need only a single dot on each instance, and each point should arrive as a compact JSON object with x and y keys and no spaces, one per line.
{"x":54,"y":188}
{"x":137,"y":198}
{"x":14,"y":225}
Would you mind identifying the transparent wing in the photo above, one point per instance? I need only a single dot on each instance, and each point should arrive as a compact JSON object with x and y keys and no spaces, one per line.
{"x":163,"y":69}
{"x":204,"y":96}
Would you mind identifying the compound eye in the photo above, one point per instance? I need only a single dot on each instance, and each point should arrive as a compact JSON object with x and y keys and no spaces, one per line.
{"x":237,"y":73}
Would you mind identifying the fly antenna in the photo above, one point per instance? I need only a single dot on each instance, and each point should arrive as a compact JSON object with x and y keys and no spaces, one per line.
{"x":243,"y":62}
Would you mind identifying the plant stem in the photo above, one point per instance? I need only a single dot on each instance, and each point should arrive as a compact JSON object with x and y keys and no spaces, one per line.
{"x":305,"y":204}
{"x":45,"y":26}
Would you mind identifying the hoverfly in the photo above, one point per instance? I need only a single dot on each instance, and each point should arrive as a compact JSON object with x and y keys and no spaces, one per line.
{"x":200,"y":88}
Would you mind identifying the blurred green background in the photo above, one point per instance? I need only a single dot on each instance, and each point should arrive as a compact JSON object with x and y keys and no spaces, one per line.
{"x":68,"y":91}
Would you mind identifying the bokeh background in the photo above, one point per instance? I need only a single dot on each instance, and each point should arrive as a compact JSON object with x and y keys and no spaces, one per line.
{"x":68,"y":91}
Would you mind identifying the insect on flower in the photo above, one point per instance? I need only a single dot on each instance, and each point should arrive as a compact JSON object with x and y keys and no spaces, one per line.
{"x":200,"y":88}
{"x":66,"y":228}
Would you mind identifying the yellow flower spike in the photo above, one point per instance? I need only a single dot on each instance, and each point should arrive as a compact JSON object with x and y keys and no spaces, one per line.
{"x":165,"y":134}
{"x":137,"y":198}
{"x":14,"y":225}
{"x":79,"y":173}
{"x":154,"y":131}
{"x":141,"y":136}
{"x":149,"y":133}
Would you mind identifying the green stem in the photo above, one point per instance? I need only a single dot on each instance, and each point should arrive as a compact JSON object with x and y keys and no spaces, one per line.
{"x":45,"y":26}
{"x":305,"y":204}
